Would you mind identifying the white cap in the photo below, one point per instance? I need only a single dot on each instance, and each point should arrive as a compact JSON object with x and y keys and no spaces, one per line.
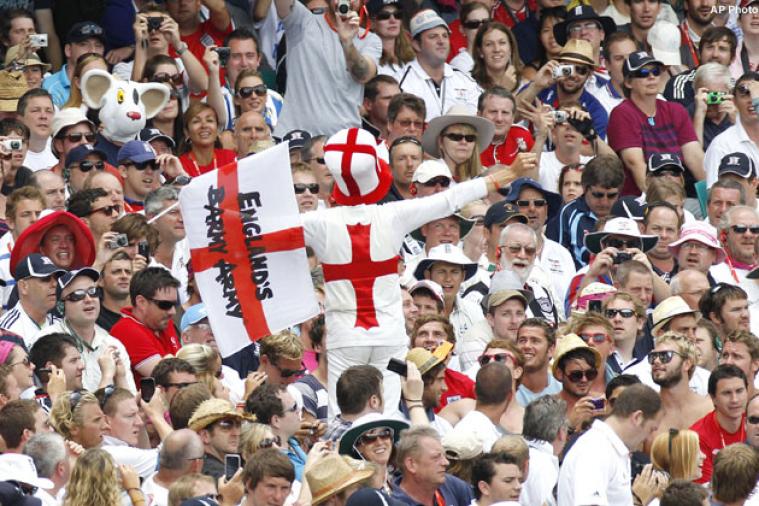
{"x":664,"y":38}
{"x":18,"y":467}
{"x":430,"y":169}
{"x":67,"y":117}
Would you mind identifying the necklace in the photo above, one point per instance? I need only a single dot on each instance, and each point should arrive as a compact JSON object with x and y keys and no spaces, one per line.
{"x":652,"y":120}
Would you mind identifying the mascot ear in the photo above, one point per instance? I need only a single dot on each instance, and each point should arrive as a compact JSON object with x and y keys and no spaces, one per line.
{"x":95,"y":84}
{"x":154,"y":97}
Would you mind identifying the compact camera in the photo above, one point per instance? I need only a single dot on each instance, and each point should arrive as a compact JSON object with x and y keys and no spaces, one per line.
{"x":119,"y":241}
{"x":563,"y":71}
{"x":622,"y":257}
{"x":560,"y":116}
{"x":154,"y":23}
{"x":344,"y":7}
{"x":223,"y":53}
{"x":12,"y":144}
{"x":715,"y":97}
{"x":38,"y":40}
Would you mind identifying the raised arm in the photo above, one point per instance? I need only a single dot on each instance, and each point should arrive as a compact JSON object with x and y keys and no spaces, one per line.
{"x":361,"y":67}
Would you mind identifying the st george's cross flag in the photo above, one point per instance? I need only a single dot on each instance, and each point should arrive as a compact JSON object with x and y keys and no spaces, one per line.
{"x":247,"y":247}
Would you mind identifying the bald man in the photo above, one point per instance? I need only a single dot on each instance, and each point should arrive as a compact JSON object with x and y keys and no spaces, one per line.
{"x":690,"y":284}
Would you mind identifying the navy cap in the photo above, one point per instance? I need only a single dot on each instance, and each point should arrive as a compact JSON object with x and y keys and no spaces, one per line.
{"x":375,"y":6}
{"x":737,"y":163}
{"x":661,"y":161}
{"x":638,"y":60}
{"x":502,"y":211}
{"x":136,"y":152}
{"x":152,"y":134}
{"x":70,"y":276}
{"x":11,"y":495}
{"x":79,"y":153}
{"x":512,"y":194}
{"x":628,"y":207}
{"x":36,"y":266}
{"x":298,"y":139}
{"x":85,"y":30}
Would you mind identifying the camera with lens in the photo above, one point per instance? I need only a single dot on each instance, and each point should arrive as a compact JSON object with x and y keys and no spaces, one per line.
{"x":343,"y":7}
{"x":223,"y":53}
{"x":120,"y":241}
{"x":12,"y":144}
{"x":562,"y":71}
{"x":560,"y":116}
{"x":622,"y":257}
{"x":38,"y":40}
{"x":154,"y":23}
{"x":715,"y":97}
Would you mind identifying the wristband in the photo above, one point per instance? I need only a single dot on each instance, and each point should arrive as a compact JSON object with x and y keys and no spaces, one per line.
{"x":495,"y":182}
{"x":182,"y":50}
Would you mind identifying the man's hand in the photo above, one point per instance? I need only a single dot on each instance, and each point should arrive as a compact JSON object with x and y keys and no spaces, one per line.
{"x":649,"y":484}
{"x":544,"y":77}
{"x":640,"y":257}
{"x":602,"y":263}
{"x":170,"y":30}
{"x":157,"y":405}
{"x":581,"y":412}
{"x":140,"y":27}
{"x":412,"y":385}
{"x":107,"y":363}
{"x":170,"y":165}
{"x":254,"y":380}
{"x":56,"y":385}
{"x":347,"y":26}
{"x":231,"y":491}
{"x":728,"y":106}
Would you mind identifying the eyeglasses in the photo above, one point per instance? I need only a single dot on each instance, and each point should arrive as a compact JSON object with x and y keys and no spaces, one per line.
{"x":577,"y":376}
{"x":645,"y":72}
{"x":366,"y":438}
{"x":247,"y":91}
{"x":753,"y":420}
{"x":516,"y":248}
{"x":77,"y":295}
{"x":496,"y":357}
{"x":302,"y":187}
{"x":607,"y":195}
{"x":597,"y":338}
{"x":407,"y":123}
{"x":77,"y":137}
{"x":474,"y":24}
{"x":577,"y":28}
{"x":164,"y":305}
{"x":26,"y":362}
{"x":25,"y":488}
{"x":229,"y":423}
{"x":621,"y":243}
{"x":180,"y":386}
{"x":624,"y":313}
{"x":664,"y":357}
{"x":165,"y":77}
{"x":742,"y":229}
{"x":385,"y":15}
{"x":108,"y":210}
{"x":144,"y":165}
{"x":268,"y":442}
{"x":439,"y":180}
{"x":695,"y":245}
{"x":87,"y":165}
{"x":535,"y":202}
{"x":461,"y":137}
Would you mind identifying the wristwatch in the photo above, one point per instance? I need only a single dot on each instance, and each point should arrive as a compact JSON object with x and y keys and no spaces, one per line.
{"x":182,"y":49}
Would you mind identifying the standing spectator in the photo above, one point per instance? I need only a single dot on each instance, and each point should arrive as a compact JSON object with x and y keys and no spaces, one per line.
{"x":712,"y":119}
{"x":114,"y":284}
{"x":359,"y":392}
{"x":545,"y":430}
{"x":36,"y":110}
{"x":405,"y":118}
{"x":22,"y":208}
{"x":198,"y":34}
{"x":498,"y":105}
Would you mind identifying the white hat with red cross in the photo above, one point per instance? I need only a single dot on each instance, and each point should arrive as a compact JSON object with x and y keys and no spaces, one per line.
{"x":359,"y":166}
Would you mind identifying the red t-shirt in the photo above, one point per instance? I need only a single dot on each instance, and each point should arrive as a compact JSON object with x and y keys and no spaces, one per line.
{"x":206,"y":35}
{"x":457,"y":39}
{"x":142,"y":343}
{"x":712,"y":438}
{"x":629,"y":127}
{"x":459,"y":385}
{"x":518,"y":138}
{"x":221,"y":157}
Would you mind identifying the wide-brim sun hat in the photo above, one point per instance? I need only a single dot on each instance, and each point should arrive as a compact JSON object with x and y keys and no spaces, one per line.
{"x":703,"y":233}
{"x":619,"y":226}
{"x":457,"y":115}
{"x":212,"y":410}
{"x":670,"y":308}
{"x":333,"y":474}
{"x":449,"y":254}
{"x":465,"y":226}
{"x":581,"y":13}
{"x":554,"y":200}
{"x":571,"y":342}
{"x":366,"y":423}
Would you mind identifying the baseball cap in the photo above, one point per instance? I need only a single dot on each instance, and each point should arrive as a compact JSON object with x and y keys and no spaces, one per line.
{"x":193,"y":315}
{"x":136,"y":152}
{"x":426,"y":20}
{"x":85,"y":30}
{"x":432,"y":287}
{"x":661,"y":161}
{"x":430,"y":169}
{"x":298,"y":139}
{"x":375,"y":6}
{"x":495,"y":299}
{"x":79,"y":153}
{"x":70,"y":276}
{"x":638,"y":60}
{"x":69,"y":116}
{"x":36,"y":266}
{"x":664,"y":39}
{"x":151,"y":134}
{"x":629,"y":207}
{"x":737,"y":163}
{"x":501,"y":212}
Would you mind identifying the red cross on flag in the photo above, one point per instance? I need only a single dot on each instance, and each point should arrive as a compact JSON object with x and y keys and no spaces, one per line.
{"x":248,"y":252}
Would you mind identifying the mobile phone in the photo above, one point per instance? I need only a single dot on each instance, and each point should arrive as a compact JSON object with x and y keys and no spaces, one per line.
{"x":231,"y":465}
{"x":594,"y":306}
{"x":143,"y":249}
{"x":154,"y":23}
{"x":223,"y":53}
{"x":147,"y":389}
{"x":398,"y":367}
{"x":44,"y":370}
{"x":599,"y":404}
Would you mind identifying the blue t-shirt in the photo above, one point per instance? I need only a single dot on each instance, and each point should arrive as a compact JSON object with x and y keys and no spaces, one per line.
{"x":587,"y":101}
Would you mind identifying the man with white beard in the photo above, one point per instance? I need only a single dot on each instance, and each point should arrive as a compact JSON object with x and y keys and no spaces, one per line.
{"x":518,"y":249}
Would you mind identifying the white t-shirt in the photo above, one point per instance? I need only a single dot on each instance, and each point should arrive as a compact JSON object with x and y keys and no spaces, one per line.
{"x":550,"y":170}
{"x":544,"y":473}
{"x":42,"y":160}
{"x":155,"y":494}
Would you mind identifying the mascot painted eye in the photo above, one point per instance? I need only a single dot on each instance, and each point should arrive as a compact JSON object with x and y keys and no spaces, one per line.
{"x":120,"y":96}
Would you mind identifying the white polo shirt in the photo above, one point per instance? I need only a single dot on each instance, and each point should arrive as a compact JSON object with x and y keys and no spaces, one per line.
{"x":596,"y":471}
{"x":19,"y":322}
{"x":732,"y":140}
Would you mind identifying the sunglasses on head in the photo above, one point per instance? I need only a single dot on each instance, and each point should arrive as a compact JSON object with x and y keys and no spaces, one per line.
{"x":77,"y":295}
{"x":645,"y":72}
{"x":742,"y":229}
{"x":665,"y":357}
{"x":165,"y":77}
{"x":247,"y":91}
{"x":107,"y":393}
{"x":577,"y":376}
{"x":461,"y":137}
{"x":24,"y":488}
{"x":268,"y":442}
{"x":597,"y":338}
{"x":108,"y":210}
{"x":365,"y":438}
{"x":601,"y":195}
{"x":496,"y":357}
{"x":474,"y":24}
{"x":439,"y":180}
{"x":77,"y":137}
{"x":621,"y":243}
{"x":164,"y":305}
{"x":302,"y":187}
{"x":624,"y":313}
{"x":74,"y":399}
{"x":385,"y":15}
{"x":86,"y":165}
{"x":535,"y":202}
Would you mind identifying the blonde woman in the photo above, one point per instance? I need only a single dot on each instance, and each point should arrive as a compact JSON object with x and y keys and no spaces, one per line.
{"x":94,"y":481}
{"x":68,"y":418}
{"x":255,"y":437}
{"x":677,"y":453}
{"x":207,"y":364}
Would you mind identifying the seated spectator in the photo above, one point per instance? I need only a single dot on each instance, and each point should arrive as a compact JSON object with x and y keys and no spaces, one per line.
{"x":684,"y":493}
{"x":359,"y":392}
{"x":180,"y":455}
{"x":201,"y":154}
{"x":735,"y":469}
{"x":496,"y":477}
{"x":268,"y":479}
{"x":218,"y":425}
{"x":677,"y":453}
{"x":22,"y":419}
{"x":49,"y":453}
{"x":95,"y":477}
{"x":337,"y":477}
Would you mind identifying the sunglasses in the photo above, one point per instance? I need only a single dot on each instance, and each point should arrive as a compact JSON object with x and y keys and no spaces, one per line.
{"x":461,"y":137}
{"x":165,"y":77}
{"x":385,"y":433}
{"x":289,"y":373}
{"x":145,"y":165}
{"x":74,"y":399}
{"x":536,"y":203}
{"x":302,"y":187}
{"x":107,"y":393}
{"x":665,"y":357}
{"x":25,"y":488}
{"x":87,"y":165}
{"x":247,"y":91}
{"x":108,"y":210}
{"x":496,"y":357}
{"x":577,"y":376}
{"x":621,"y":243}
{"x":475,"y":23}
{"x":26,"y":362}
{"x":407,"y":123}
{"x":77,"y":137}
{"x":403,"y":140}
{"x":753,"y":420}
{"x":601,"y":195}
{"x":440,"y":180}
{"x":77,"y":295}
{"x":516,"y":248}
{"x":385,"y":15}
{"x":742,"y":90}
{"x":229,"y":423}
{"x":164,"y":305}
{"x":581,"y":70}
{"x":597,"y":338}
{"x":742,"y":229}
{"x":180,"y":386}
{"x":644,"y":73}
{"x":624,"y":313}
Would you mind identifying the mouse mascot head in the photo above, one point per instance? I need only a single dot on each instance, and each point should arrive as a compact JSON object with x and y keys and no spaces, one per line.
{"x":124,"y":106}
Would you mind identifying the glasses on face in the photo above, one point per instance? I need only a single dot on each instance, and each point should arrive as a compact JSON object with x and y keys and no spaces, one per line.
{"x":439,"y":180}
{"x":664,"y":357}
{"x":597,"y":338}
{"x":77,"y":137}
{"x":461,"y":137}
{"x":474,"y":24}
{"x":25,"y":488}
{"x":579,"y":27}
{"x":165,"y":77}
{"x":268,"y":442}
{"x":753,"y":420}
{"x":516,"y":248}
{"x":247,"y":91}
{"x":180,"y":386}
{"x":87,"y":165}
{"x":624,"y":313}
{"x":229,"y":423}
{"x":408,"y":123}
{"x":582,"y":70}
{"x":496,"y":357}
{"x":164,"y":305}
{"x":606,"y":195}
{"x":289,"y":373}
{"x":145,"y":165}
{"x":77,"y":295}
{"x":385,"y":15}
{"x":742,"y":229}
{"x":645,"y":72}
{"x":26,"y":362}
{"x":577,"y":376}
{"x":621,"y":243}
{"x":366,"y":438}
{"x":302,"y":187}
{"x":108,"y":210}
{"x":535,"y":202}
{"x":742,"y":90}
{"x":694,"y":245}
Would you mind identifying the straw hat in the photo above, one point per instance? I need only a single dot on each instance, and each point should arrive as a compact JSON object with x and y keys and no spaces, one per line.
{"x":333,"y":474}
{"x":669,"y":308}
{"x":577,"y":51}
{"x":31,"y":60}
{"x":571,"y":342}
{"x":457,"y":115}
{"x":423,"y":360}
{"x":212,"y":410}
{"x":12,"y":87}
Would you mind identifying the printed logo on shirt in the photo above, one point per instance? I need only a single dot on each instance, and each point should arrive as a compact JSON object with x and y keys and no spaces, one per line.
{"x":461,"y":93}
{"x":207,"y":40}
{"x":546,"y":305}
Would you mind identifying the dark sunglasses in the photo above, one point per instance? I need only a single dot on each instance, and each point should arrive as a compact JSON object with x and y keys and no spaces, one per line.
{"x":164,"y":305}
{"x":229,"y":423}
{"x":319,"y":160}
{"x":78,"y":295}
{"x":536,"y":203}
{"x":624,"y":313}
{"x":496,"y":357}
{"x":440,"y":180}
{"x":644,"y":73}
{"x":145,"y":165}
{"x":577,"y":376}
{"x":385,"y":15}
{"x":404,"y":140}
{"x":302,"y":187}
{"x":77,"y":137}
{"x":597,"y":338}
{"x":108,"y":210}
{"x":289,"y":373}
{"x":247,"y":91}
{"x":753,"y":420}
{"x":742,"y":229}
{"x":742,"y":90}
{"x":621,"y":243}
{"x":608,"y":195}
{"x":461,"y":137}
{"x":474,"y":24}
{"x":25,"y":488}
{"x":385,"y":433}
{"x":87,"y":165}
{"x":268,"y":442}
{"x":665,"y":357}
{"x":581,"y":70}
{"x":74,"y":399}
{"x":165,"y":77}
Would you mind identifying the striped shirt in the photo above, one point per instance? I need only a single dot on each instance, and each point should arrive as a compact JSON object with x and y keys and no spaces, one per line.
{"x":569,"y":228}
